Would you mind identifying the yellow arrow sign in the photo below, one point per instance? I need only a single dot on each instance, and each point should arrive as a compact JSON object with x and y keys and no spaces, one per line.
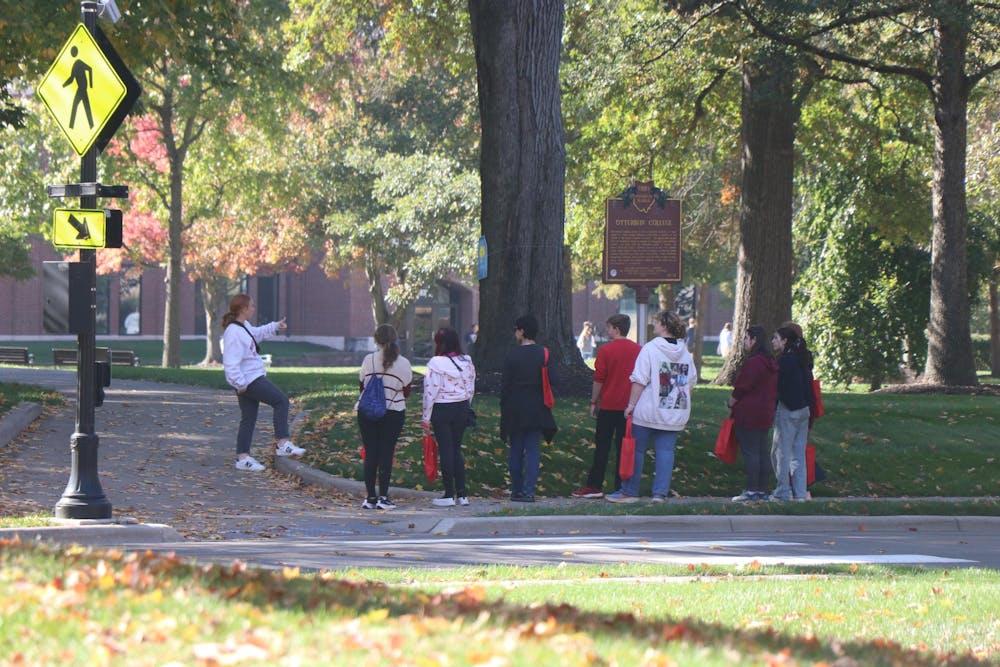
{"x":79,"y":228}
{"x":82,"y":90}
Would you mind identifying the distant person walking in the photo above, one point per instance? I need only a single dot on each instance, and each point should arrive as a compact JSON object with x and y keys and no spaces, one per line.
{"x":608,"y":398}
{"x":726,"y":339}
{"x":524,"y":417}
{"x":752,"y":406}
{"x":585,"y":341}
{"x":449,"y":386}
{"x":691,"y":335}
{"x":791,"y":421}
{"x":245,"y":372}
{"x":659,"y":404}
{"x":380,"y":435}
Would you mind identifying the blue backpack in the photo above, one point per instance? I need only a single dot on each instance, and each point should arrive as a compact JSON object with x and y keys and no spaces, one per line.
{"x":372,"y":402}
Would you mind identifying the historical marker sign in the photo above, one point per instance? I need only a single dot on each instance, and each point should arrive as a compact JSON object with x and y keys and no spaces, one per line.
{"x":88,"y":90}
{"x":642,"y":237}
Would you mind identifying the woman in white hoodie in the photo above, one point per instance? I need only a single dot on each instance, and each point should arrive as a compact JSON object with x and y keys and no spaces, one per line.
{"x":448,"y":388}
{"x":659,"y":404}
{"x":245,"y":373}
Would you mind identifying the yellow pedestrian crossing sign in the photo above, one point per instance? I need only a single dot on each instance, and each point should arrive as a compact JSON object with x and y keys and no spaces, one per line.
{"x":88,"y":90}
{"x":87,"y":228}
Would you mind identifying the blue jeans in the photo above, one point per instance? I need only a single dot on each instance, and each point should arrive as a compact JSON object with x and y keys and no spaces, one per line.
{"x":663,"y":445}
{"x":260,"y":391}
{"x":788,"y":452}
{"x":525,"y":458}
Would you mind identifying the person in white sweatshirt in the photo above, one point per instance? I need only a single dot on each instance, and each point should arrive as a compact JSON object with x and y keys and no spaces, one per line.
{"x":245,"y":372}
{"x":448,"y":389}
{"x":659,"y":404}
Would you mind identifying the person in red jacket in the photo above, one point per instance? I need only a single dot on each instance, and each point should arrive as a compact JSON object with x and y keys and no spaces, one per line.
{"x":752,"y":407}
{"x":608,"y":398}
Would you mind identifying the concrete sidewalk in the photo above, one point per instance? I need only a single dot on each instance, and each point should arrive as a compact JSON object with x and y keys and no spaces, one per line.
{"x":166,"y":465}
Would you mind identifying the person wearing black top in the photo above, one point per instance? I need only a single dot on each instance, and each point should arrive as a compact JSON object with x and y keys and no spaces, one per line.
{"x":791,"y":421}
{"x":524,"y":417}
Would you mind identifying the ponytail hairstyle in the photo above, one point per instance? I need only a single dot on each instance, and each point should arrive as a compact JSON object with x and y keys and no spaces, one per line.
{"x":672,"y":323}
{"x":795,"y":344}
{"x":761,"y":345}
{"x":239,"y":303}
{"x":386,"y":336}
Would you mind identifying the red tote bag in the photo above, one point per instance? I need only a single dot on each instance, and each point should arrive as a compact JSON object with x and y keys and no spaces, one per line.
{"x":547,"y":396}
{"x":818,"y":410}
{"x":430,"y":457}
{"x":626,"y":467}
{"x":725,"y":444}
{"x":810,"y":464}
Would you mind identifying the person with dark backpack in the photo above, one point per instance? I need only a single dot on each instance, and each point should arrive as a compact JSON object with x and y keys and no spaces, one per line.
{"x":385,"y":380}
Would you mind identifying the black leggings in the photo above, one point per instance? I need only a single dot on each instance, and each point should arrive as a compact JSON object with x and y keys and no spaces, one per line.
{"x":380,"y":436}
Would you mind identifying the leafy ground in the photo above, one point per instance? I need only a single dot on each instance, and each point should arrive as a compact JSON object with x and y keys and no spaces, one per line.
{"x":81,"y":607}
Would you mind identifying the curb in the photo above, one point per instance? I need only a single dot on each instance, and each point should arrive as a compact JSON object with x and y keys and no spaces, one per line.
{"x":102,"y":534}
{"x":577,"y":525}
{"x":17,"y":420}
{"x":309,"y":475}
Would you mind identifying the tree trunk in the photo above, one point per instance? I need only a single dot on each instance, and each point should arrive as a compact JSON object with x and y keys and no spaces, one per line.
{"x":994,"y":329}
{"x":213,"y":298}
{"x":764,"y":272}
{"x":949,"y":352}
{"x":700,"y":309}
{"x":522,"y":172}
{"x":380,"y":309}
{"x":172,"y":314}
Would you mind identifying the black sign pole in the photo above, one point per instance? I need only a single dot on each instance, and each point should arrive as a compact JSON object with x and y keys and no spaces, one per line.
{"x":84,"y":498}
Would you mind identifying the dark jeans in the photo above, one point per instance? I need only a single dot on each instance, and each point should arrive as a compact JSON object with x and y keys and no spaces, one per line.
{"x":448,"y":422}
{"x":260,"y":391}
{"x":610,"y":428}
{"x":756,"y":458}
{"x":380,"y":436}
{"x":525,"y":458}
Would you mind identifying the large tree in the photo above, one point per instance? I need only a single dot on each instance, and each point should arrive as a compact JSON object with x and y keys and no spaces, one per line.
{"x":948,"y":46}
{"x":522,"y":173}
{"x":191,"y":75}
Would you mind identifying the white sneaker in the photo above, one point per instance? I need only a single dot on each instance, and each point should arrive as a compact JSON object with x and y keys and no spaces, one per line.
{"x":288,"y":448}
{"x":447,"y":501}
{"x":249,"y":463}
{"x":462,"y":500}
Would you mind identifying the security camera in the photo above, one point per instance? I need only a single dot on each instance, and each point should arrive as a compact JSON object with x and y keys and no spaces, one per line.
{"x":108,"y":10}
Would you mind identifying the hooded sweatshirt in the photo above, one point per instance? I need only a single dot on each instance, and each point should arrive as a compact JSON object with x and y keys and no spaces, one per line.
{"x":449,"y":379}
{"x":667,"y":370}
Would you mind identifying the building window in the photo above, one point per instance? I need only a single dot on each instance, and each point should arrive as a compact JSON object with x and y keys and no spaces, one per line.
{"x":268,"y":299}
{"x":130,"y":306}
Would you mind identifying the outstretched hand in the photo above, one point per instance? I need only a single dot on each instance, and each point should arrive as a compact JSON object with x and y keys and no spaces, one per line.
{"x":281,"y":324}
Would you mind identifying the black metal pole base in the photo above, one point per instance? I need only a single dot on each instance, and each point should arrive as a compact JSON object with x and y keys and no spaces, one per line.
{"x":83,"y":498}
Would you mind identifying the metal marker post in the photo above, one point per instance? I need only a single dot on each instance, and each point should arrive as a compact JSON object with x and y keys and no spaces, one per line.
{"x":641,"y":302}
{"x":84,"y":498}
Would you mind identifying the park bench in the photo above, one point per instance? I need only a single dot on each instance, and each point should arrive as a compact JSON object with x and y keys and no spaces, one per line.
{"x":16,"y":355}
{"x":67,"y":357}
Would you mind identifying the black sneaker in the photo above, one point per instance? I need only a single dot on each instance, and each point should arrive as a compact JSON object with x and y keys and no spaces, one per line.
{"x":522,"y":498}
{"x":385,"y":503}
{"x":370,"y":503}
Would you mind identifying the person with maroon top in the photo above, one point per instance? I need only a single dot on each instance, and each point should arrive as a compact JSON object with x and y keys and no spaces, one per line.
{"x":752,"y":408}
{"x":608,"y":398}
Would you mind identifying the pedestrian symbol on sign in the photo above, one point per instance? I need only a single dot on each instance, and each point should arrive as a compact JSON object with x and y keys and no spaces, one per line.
{"x":83,"y":75}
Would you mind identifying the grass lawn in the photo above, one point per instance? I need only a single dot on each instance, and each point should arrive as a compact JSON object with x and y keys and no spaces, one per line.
{"x":80,"y":607}
{"x":869,"y":444}
{"x":12,"y":393}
